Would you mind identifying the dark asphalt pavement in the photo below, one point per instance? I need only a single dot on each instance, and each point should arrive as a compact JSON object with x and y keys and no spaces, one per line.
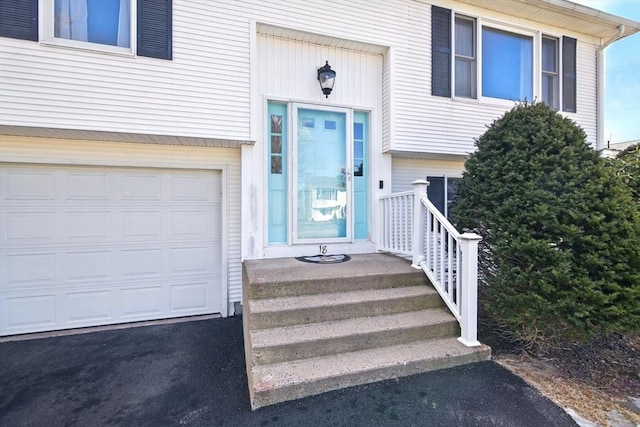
{"x":193,"y":374}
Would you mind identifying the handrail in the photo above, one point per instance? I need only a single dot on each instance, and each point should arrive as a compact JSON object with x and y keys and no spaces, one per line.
{"x":413,"y":226}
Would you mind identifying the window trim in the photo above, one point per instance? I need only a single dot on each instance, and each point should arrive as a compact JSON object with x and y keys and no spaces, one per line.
{"x":47,"y":11}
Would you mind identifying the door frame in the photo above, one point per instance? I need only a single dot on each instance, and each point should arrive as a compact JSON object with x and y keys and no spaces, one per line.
{"x":378,"y":163}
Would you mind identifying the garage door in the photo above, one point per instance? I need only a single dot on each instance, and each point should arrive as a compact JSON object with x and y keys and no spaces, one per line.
{"x":84,"y":246}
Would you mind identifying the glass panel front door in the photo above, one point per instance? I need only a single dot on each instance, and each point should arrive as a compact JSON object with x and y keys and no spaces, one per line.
{"x":322,"y":183}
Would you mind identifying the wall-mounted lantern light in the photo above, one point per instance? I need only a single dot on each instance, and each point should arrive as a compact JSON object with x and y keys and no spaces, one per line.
{"x":326,"y":77}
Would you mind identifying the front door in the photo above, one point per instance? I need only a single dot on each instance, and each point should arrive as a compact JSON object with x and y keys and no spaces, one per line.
{"x":321,"y":176}
{"x":318,"y":175}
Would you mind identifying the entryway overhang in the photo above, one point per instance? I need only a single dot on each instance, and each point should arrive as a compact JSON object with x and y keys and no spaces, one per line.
{"x":327,"y":39}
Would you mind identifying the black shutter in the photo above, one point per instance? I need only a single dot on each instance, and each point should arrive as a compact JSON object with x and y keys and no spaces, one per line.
{"x":19,"y":19}
{"x":440,"y":51}
{"x":154,"y":28}
{"x":569,"y":74}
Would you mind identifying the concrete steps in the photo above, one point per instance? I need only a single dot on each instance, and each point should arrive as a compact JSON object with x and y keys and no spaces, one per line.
{"x":275,"y":312}
{"x":318,"y":339}
{"x":292,"y":380}
{"x":369,"y":319}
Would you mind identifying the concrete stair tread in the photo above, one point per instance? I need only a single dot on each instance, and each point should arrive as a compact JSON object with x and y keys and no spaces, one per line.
{"x":307,"y":371}
{"x":289,"y":335}
{"x":291,"y":270}
{"x":336,"y":298}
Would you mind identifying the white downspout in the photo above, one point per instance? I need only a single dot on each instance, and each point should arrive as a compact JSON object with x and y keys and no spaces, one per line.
{"x":600,"y":142}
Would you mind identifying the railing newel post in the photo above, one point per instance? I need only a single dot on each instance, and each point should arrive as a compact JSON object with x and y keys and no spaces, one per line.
{"x":469,"y":301}
{"x":417,"y":236}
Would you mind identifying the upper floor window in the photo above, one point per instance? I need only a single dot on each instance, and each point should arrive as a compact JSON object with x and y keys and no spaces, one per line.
{"x":141,"y":27}
{"x":104,"y":22}
{"x":499,"y":63}
{"x":465,"y":62}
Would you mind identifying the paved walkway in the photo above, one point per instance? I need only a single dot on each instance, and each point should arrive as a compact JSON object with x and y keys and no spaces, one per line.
{"x":192,"y":373}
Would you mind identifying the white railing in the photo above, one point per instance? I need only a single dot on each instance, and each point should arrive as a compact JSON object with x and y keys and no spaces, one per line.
{"x":447,"y":257}
{"x":397,"y":223}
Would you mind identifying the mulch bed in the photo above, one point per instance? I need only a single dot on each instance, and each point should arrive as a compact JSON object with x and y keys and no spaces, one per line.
{"x":610,"y":363}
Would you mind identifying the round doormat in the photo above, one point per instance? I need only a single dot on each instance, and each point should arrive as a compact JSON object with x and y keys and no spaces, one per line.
{"x":324,"y":259}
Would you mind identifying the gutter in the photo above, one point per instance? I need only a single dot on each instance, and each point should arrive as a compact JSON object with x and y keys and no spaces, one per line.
{"x":588,"y":13}
{"x":600,"y":82}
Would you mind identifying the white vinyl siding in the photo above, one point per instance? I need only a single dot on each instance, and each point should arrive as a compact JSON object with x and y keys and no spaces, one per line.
{"x":205,"y":91}
{"x":586,"y":117}
{"x":20,"y":150}
{"x":405,"y":171}
{"x":386,"y":101}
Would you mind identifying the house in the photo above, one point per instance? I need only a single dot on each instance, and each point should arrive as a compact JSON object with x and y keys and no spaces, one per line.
{"x":612,"y":150}
{"x":149,"y":147}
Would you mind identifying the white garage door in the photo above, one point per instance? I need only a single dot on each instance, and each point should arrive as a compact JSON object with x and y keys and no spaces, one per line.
{"x":84,"y":246}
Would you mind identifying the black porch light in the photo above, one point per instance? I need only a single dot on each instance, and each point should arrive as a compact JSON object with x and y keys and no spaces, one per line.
{"x":326,"y":77}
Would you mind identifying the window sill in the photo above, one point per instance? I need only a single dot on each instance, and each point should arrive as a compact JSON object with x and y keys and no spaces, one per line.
{"x":465,"y":100}
{"x":89,"y":47}
{"x":492,"y":102}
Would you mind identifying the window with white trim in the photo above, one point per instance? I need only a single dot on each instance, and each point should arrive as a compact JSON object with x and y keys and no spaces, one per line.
{"x":550,"y":76}
{"x":102,"y":22}
{"x":465,"y":57}
{"x":495,"y":61}
{"x":143,"y":27}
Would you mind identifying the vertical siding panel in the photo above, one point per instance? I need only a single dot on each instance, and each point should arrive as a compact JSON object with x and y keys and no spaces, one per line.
{"x":235,"y":227}
{"x":289,"y":71}
{"x":386,"y":104}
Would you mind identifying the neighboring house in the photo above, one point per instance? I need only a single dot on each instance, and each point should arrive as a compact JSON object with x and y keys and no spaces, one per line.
{"x":148,"y":147}
{"x":614,"y":149}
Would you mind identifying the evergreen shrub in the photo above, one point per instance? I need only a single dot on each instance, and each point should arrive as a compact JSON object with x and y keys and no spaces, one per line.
{"x":627,"y":164}
{"x":560,"y":257}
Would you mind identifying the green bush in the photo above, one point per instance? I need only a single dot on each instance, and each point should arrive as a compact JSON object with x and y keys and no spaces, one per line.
{"x":560,"y":255}
{"x":627,"y":164}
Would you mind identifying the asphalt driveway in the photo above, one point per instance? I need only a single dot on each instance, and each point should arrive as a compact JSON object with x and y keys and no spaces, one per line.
{"x":193,"y":373}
